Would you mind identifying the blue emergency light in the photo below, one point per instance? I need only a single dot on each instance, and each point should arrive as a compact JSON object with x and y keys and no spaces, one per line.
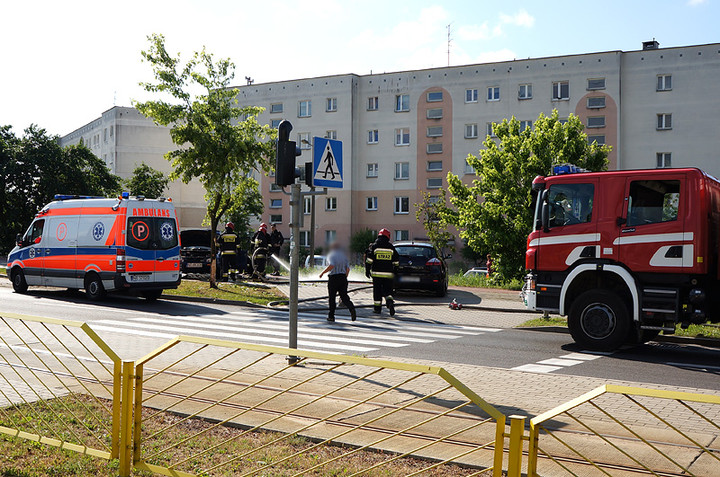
{"x":70,"y":196}
{"x":567,"y":169}
{"x":125,"y":195}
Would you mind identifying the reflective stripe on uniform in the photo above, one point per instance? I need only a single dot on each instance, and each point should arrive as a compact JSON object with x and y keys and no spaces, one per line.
{"x":382,"y":274}
{"x":369,"y":260}
{"x":227,"y":252}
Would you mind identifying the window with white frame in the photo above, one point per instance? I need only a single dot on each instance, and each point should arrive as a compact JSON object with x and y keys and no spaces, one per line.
{"x":373,"y":136}
{"x":471,"y":95}
{"x":596,"y":102}
{"x":493,"y":93}
{"x":276,"y":219}
{"x":434,"y":131}
{"x":596,"y":122}
{"x":331,"y":134}
{"x":402,"y":102}
{"x":435,"y":148}
{"x":276,"y":203}
{"x":307,"y":205}
{"x":471,"y":131}
{"x":330,"y":236}
{"x":372,"y":203}
{"x":664,"y":121}
{"x":402,"y":137}
{"x":372,"y":169}
{"x":331,"y":105}
{"x":433,"y":199}
{"x":303,"y":141}
{"x":275,"y":123}
{"x":304,"y":238}
{"x":468,"y":168}
{"x":402,"y":171}
{"x":525,"y":125}
{"x":330,"y":203}
{"x":560,"y":90}
{"x":594,"y":84}
{"x":664,"y":160}
{"x":598,"y":139}
{"x":435,"y":113}
{"x":434,"y":165}
{"x":402,"y":205}
{"x":373,"y":103}
{"x":276,"y":108}
{"x":434,"y":96}
{"x":401,"y":235}
{"x":490,"y":130}
{"x":434,"y":183}
{"x":525,"y":91}
{"x":305,"y":108}
{"x":664,"y":82}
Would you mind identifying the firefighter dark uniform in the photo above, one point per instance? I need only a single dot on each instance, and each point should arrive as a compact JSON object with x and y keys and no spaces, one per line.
{"x":228,"y":242}
{"x":260,"y":242}
{"x":381,"y":259}
{"x":276,"y":242}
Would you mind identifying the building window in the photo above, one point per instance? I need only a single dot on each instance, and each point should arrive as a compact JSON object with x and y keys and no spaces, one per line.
{"x":372,"y":170}
{"x":401,"y":235}
{"x":594,"y":84}
{"x":330,"y":236}
{"x":560,"y":90}
{"x":525,"y":125}
{"x":402,"y":205}
{"x":434,"y":131}
{"x":471,"y":131}
{"x":598,"y":139}
{"x":434,"y":166}
{"x":307,"y":205}
{"x":490,"y":130}
{"x":112,"y":130}
{"x":436,"y":113}
{"x":331,"y":105}
{"x":664,"y":82}
{"x":664,"y":121}
{"x":371,"y":203}
{"x":402,"y":137}
{"x":563,"y":120}
{"x":525,"y":91}
{"x":596,"y":103}
{"x":402,"y":171}
{"x":304,"y":141}
{"x":105,"y":135}
{"x":276,"y":108}
{"x":274,"y":187}
{"x":596,"y":122}
{"x":402,"y":102}
{"x":331,"y":203}
{"x":304,"y":108}
{"x":275,"y":123}
{"x":331,"y":134}
{"x":276,"y":219}
{"x":373,"y":136}
{"x":276,"y":203}
{"x":434,"y":183}
{"x":468,"y":168}
{"x":471,"y":95}
{"x":493,"y":93}
{"x":434,"y":96}
{"x":304,"y":238}
{"x":664,"y":160}
{"x":435,"y":148}
{"x":373,"y":103}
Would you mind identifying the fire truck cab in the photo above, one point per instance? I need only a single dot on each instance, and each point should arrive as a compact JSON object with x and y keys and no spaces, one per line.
{"x":624,"y":254}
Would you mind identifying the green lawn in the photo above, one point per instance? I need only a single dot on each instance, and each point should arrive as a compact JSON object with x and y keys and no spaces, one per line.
{"x":476,"y":281}
{"x":227,"y":291}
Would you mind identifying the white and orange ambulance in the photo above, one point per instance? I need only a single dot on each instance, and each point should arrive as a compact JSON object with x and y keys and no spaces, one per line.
{"x":126,"y":244}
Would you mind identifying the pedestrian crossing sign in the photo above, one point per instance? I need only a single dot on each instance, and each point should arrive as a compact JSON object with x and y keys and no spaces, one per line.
{"x":327,"y":163}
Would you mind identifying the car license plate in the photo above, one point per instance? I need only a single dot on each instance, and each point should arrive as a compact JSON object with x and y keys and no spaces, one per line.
{"x":139,"y":278}
{"x":409,"y":279}
{"x":194,"y":265}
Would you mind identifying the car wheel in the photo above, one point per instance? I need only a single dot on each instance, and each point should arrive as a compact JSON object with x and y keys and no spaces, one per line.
{"x":94,"y":288}
{"x":441,"y":290}
{"x":599,"y":320}
{"x":152,"y":295}
{"x":18,"y":281}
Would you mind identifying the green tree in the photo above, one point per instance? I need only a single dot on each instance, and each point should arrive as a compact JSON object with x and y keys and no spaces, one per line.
{"x":147,"y":182}
{"x":360,"y":240}
{"x":218,"y":142}
{"x":434,"y":214}
{"x":243,"y":211}
{"x":494,"y":212}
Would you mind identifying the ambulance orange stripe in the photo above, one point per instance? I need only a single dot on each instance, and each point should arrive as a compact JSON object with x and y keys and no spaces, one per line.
{"x":82,"y":211}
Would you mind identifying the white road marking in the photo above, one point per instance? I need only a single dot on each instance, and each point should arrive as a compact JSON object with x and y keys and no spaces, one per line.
{"x":560,"y":362}
{"x":581,"y":356}
{"x":554,"y":364}
{"x":537,"y":368}
{"x":695,"y":366}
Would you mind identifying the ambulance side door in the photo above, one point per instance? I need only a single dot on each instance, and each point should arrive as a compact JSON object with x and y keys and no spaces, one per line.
{"x":60,"y":251}
{"x":166,"y":244}
{"x":33,"y":254}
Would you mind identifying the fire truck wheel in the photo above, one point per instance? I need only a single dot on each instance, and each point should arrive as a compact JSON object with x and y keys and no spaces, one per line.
{"x":18,"y":281}
{"x":94,"y":288}
{"x":599,"y":320}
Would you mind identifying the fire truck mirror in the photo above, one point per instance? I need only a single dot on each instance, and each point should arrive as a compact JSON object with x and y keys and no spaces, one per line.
{"x":545,"y":211}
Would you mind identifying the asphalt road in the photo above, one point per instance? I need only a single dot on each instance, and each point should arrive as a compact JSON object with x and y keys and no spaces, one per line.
{"x":118,"y":318}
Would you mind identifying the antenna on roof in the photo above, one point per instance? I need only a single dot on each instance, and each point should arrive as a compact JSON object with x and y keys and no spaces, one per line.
{"x":449,"y":40}
{"x":249,"y":80}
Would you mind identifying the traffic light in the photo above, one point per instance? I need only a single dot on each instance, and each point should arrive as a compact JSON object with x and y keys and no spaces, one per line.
{"x":287,"y":151}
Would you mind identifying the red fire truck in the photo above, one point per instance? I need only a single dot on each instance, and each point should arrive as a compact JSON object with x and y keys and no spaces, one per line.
{"x":625,"y":254}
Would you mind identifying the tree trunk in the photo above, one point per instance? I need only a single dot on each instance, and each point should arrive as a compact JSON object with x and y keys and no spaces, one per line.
{"x":213,"y":252}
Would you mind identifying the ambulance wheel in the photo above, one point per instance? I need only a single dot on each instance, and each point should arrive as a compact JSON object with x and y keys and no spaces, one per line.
{"x":18,"y":281}
{"x":152,"y":295}
{"x":94,"y":288}
{"x":599,"y":320}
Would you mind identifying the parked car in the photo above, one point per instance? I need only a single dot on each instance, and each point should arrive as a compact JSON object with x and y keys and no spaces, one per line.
{"x":195,"y":255}
{"x":476,"y":272}
{"x":422,"y":267}
{"x":320,"y":261}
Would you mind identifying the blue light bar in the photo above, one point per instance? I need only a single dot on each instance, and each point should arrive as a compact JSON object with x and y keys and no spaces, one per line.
{"x":567,"y":169}
{"x":70,"y":196}
{"x":125,"y":195}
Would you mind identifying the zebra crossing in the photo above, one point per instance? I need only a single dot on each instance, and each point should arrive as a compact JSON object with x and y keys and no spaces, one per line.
{"x":271,"y":328}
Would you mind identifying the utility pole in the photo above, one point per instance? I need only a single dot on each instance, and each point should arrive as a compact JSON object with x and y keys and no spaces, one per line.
{"x":312,"y":227}
{"x":448,"y":42}
{"x":295,"y":208}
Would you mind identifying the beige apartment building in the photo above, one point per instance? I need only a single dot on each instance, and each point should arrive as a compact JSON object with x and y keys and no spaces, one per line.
{"x":403,"y":132}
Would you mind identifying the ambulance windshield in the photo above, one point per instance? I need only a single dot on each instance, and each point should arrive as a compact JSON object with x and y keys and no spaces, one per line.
{"x":151,"y":233}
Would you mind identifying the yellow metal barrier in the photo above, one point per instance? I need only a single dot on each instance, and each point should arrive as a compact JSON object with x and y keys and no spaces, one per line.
{"x":205,"y":406}
{"x":648,"y":431}
{"x":59,"y":385}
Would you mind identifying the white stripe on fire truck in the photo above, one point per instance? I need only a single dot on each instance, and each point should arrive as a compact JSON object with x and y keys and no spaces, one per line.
{"x":654,"y":238}
{"x":575,"y":238}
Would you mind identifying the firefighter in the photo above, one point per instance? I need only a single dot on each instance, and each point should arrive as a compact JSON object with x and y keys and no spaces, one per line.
{"x":381,"y":259}
{"x":276,"y":242}
{"x":260,"y":242}
{"x":227,"y":242}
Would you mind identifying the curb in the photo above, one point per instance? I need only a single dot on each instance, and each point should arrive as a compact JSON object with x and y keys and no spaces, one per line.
{"x":216,"y":301}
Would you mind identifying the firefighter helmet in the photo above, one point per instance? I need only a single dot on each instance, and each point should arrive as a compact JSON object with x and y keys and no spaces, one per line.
{"x":263,"y":227}
{"x":384,"y":233}
{"x":230,"y":226}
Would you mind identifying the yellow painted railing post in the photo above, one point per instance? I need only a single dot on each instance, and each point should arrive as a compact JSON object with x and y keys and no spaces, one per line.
{"x":137,"y":428}
{"x":499,"y":446}
{"x":517,"y":429}
{"x":126,"y":419}
{"x":533,"y":449}
{"x":117,"y":399}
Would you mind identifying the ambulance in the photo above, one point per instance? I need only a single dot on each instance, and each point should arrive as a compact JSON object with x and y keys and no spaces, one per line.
{"x":127,"y":244}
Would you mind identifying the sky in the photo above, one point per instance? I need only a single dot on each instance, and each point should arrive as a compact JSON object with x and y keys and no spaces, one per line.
{"x":62,"y":63}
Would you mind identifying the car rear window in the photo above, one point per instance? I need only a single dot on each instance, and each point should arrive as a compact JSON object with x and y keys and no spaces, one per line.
{"x":151,"y":233}
{"x":416,"y":251}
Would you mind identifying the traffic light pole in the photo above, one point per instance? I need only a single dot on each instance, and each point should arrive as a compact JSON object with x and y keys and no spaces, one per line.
{"x":296,"y":210}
